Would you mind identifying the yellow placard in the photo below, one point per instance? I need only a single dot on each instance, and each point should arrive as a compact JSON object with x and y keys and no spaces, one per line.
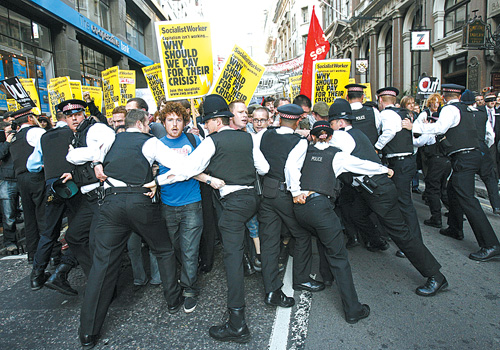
{"x":127,"y":85}
{"x":12,"y":105}
{"x":294,"y":86}
{"x":154,"y":79}
{"x":111,"y":89}
{"x":352,"y":81}
{"x":59,"y":90}
{"x":76,"y":89}
{"x":95,"y":93}
{"x":368,"y":92}
{"x":186,"y":58}
{"x":239,"y":78}
{"x":29,"y":86}
{"x":329,"y":80}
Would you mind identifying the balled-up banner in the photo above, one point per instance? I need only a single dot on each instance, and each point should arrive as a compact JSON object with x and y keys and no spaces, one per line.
{"x":329,"y":80}
{"x":96,"y":94}
{"x":127,"y":85}
{"x":59,"y":90}
{"x":239,"y":78}
{"x":29,"y":86}
{"x":294,"y":86}
{"x":111,"y":89}
{"x":186,"y":58}
{"x":155,"y":80}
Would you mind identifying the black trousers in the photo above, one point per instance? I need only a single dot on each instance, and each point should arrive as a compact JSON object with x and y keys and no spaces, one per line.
{"x":487,"y":173}
{"x":317,"y":216}
{"x":438,"y":170}
{"x":210,"y":228}
{"x":463,"y":201}
{"x":32,"y":189}
{"x":404,"y":171}
{"x":120,"y":214}
{"x":273,"y":213}
{"x":384,"y":202}
{"x":54,"y":212}
{"x":80,"y":234}
{"x":237,"y":208}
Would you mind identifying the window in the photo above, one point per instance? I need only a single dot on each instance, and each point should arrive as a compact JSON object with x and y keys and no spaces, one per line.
{"x":455,"y":15}
{"x":327,"y":13}
{"x":365,"y":78}
{"x":416,"y":56}
{"x":305,"y":15}
{"x":304,"y":42}
{"x":388,"y":58}
{"x":95,"y":10}
{"x":92,"y":63}
{"x":135,"y":31}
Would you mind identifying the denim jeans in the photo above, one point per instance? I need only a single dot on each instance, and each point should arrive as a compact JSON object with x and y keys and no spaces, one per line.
{"x":185,"y":224}
{"x":134,"y":246}
{"x":8,"y":196}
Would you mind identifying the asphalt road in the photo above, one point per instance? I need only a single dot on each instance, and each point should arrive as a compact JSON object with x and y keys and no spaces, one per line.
{"x":465,"y":316}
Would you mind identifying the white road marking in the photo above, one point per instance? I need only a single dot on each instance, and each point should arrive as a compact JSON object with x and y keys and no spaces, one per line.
{"x":15,"y":257}
{"x":301,"y":321}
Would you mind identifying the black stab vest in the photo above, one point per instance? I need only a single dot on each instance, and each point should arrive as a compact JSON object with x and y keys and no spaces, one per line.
{"x":365,"y":121}
{"x":464,"y":135}
{"x":55,"y":143}
{"x":125,"y":160}
{"x":276,"y":148}
{"x":233,"y":158}
{"x":20,"y":150}
{"x":480,"y":119}
{"x":403,"y":140}
{"x":363,"y":149}
{"x":317,"y":171}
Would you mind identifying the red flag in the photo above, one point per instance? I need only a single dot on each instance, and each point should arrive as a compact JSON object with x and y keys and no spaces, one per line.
{"x":317,"y":47}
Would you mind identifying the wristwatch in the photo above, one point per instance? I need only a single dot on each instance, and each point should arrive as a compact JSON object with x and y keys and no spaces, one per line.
{"x":209,"y":180}
{"x":94,"y":164}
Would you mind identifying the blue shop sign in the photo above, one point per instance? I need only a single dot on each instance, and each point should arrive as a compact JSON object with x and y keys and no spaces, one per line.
{"x":73,"y":17}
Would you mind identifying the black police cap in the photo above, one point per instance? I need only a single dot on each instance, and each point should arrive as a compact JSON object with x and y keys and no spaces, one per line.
{"x":455,"y":88}
{"x":355,"y":87}
{"x":321,"y":125}
{"x":388,"y":91}
{"x":22,"y":112}
{"x":73,"y":106}
{"x":468,"y":97}
{"x":215,"y":106}
{"x":290,"y":111}
{"x":340,"y":109}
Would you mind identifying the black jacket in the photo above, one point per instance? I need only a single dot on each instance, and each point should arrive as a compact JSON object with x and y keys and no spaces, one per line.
{"x":7,"y":164}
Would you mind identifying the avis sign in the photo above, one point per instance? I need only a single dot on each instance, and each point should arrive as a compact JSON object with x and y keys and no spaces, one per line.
{"x":420,"y":40}
{"x":427,"y":86}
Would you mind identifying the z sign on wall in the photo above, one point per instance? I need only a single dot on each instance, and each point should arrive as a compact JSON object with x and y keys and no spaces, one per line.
{"x":421,"y":40}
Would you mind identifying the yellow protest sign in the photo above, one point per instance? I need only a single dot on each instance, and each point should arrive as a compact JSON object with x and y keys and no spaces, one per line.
{"x":186,"y":58}
{"x":329,"y":80}
{"x":127,"y":85}
{"x":29,"y":86}
{"x":111,"y":89}
{"x":154,"y":79}
{"x":239,"y":78}
{"x":96,"y":94}
{"x":76,"y":89}
{"x":368,"y":92}
{"x":352,"y":81}
{"x":59,"y":90}
{"x":12,"y":105}
{"x":294,"y":86}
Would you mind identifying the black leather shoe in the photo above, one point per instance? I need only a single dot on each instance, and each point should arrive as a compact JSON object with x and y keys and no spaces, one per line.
{"x":352,"y":242}
{"x":328,"y":283}
{"x":433,"y":223}
{"x":88,"y":341}
{"x":400,"y":254}
{"x":364,"y":313}
{"x":416,"y":190}
{"x":381,"y":245}
{"x":432,"y":286}
{"x":486,"y":254}
{"x":310,"y":286}
{"x":38,"y":279}
{"x":172,"y":309}
{"x":452,"y":233}
{"x":59,"y":281}
{"x":278,"y":298}
{"x":235,"y":329}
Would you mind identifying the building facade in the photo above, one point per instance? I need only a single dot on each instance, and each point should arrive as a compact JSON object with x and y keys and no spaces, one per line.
{"x":43,"y":39}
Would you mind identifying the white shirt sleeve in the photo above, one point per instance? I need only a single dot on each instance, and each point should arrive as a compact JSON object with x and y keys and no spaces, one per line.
{"x":155,"y":150}
{"x":259,"y":161}
{"x":99,"y":139}
{"x":378,"y":120}
{"x":490,"y":135}
{"x":293,"y":166}
{"x":449,"y":117}
{"x":424,"y":139}
{"x":343,"y":140}
{"x":391,"y":124}
{"x":34,"y":135}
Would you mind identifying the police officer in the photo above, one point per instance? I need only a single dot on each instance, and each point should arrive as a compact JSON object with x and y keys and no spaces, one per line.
{"x":367,"y":119}
{"x":396,"y":144}
{"x":378,"y":194}
{"x":461,"y":144}
{"x":127,"y":167}
{"x":31,"y":185}
{"x":312,"y":178}
{"x":232,"y":156}
{"x":276,"y":208}
{"x":88,"y":147}
{"x":49,"y":155}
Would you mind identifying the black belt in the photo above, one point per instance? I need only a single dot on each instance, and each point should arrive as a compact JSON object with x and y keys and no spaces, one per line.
{"x":465,"y":151}
{"x":283,"y":187}
{"x":92,"y":194}
{"x":399,"y":157}
{"x":117,"y":190}
{"x":314,"y":195}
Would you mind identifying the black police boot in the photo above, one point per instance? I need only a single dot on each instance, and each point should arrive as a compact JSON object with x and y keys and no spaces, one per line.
{"x":247,"y":265}
{"x":59,"y":280}
{"x":38,"y":278}
{"x":235,"y":329}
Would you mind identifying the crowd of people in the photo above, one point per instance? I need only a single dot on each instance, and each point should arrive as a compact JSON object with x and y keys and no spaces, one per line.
{"x":262,"y":180}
